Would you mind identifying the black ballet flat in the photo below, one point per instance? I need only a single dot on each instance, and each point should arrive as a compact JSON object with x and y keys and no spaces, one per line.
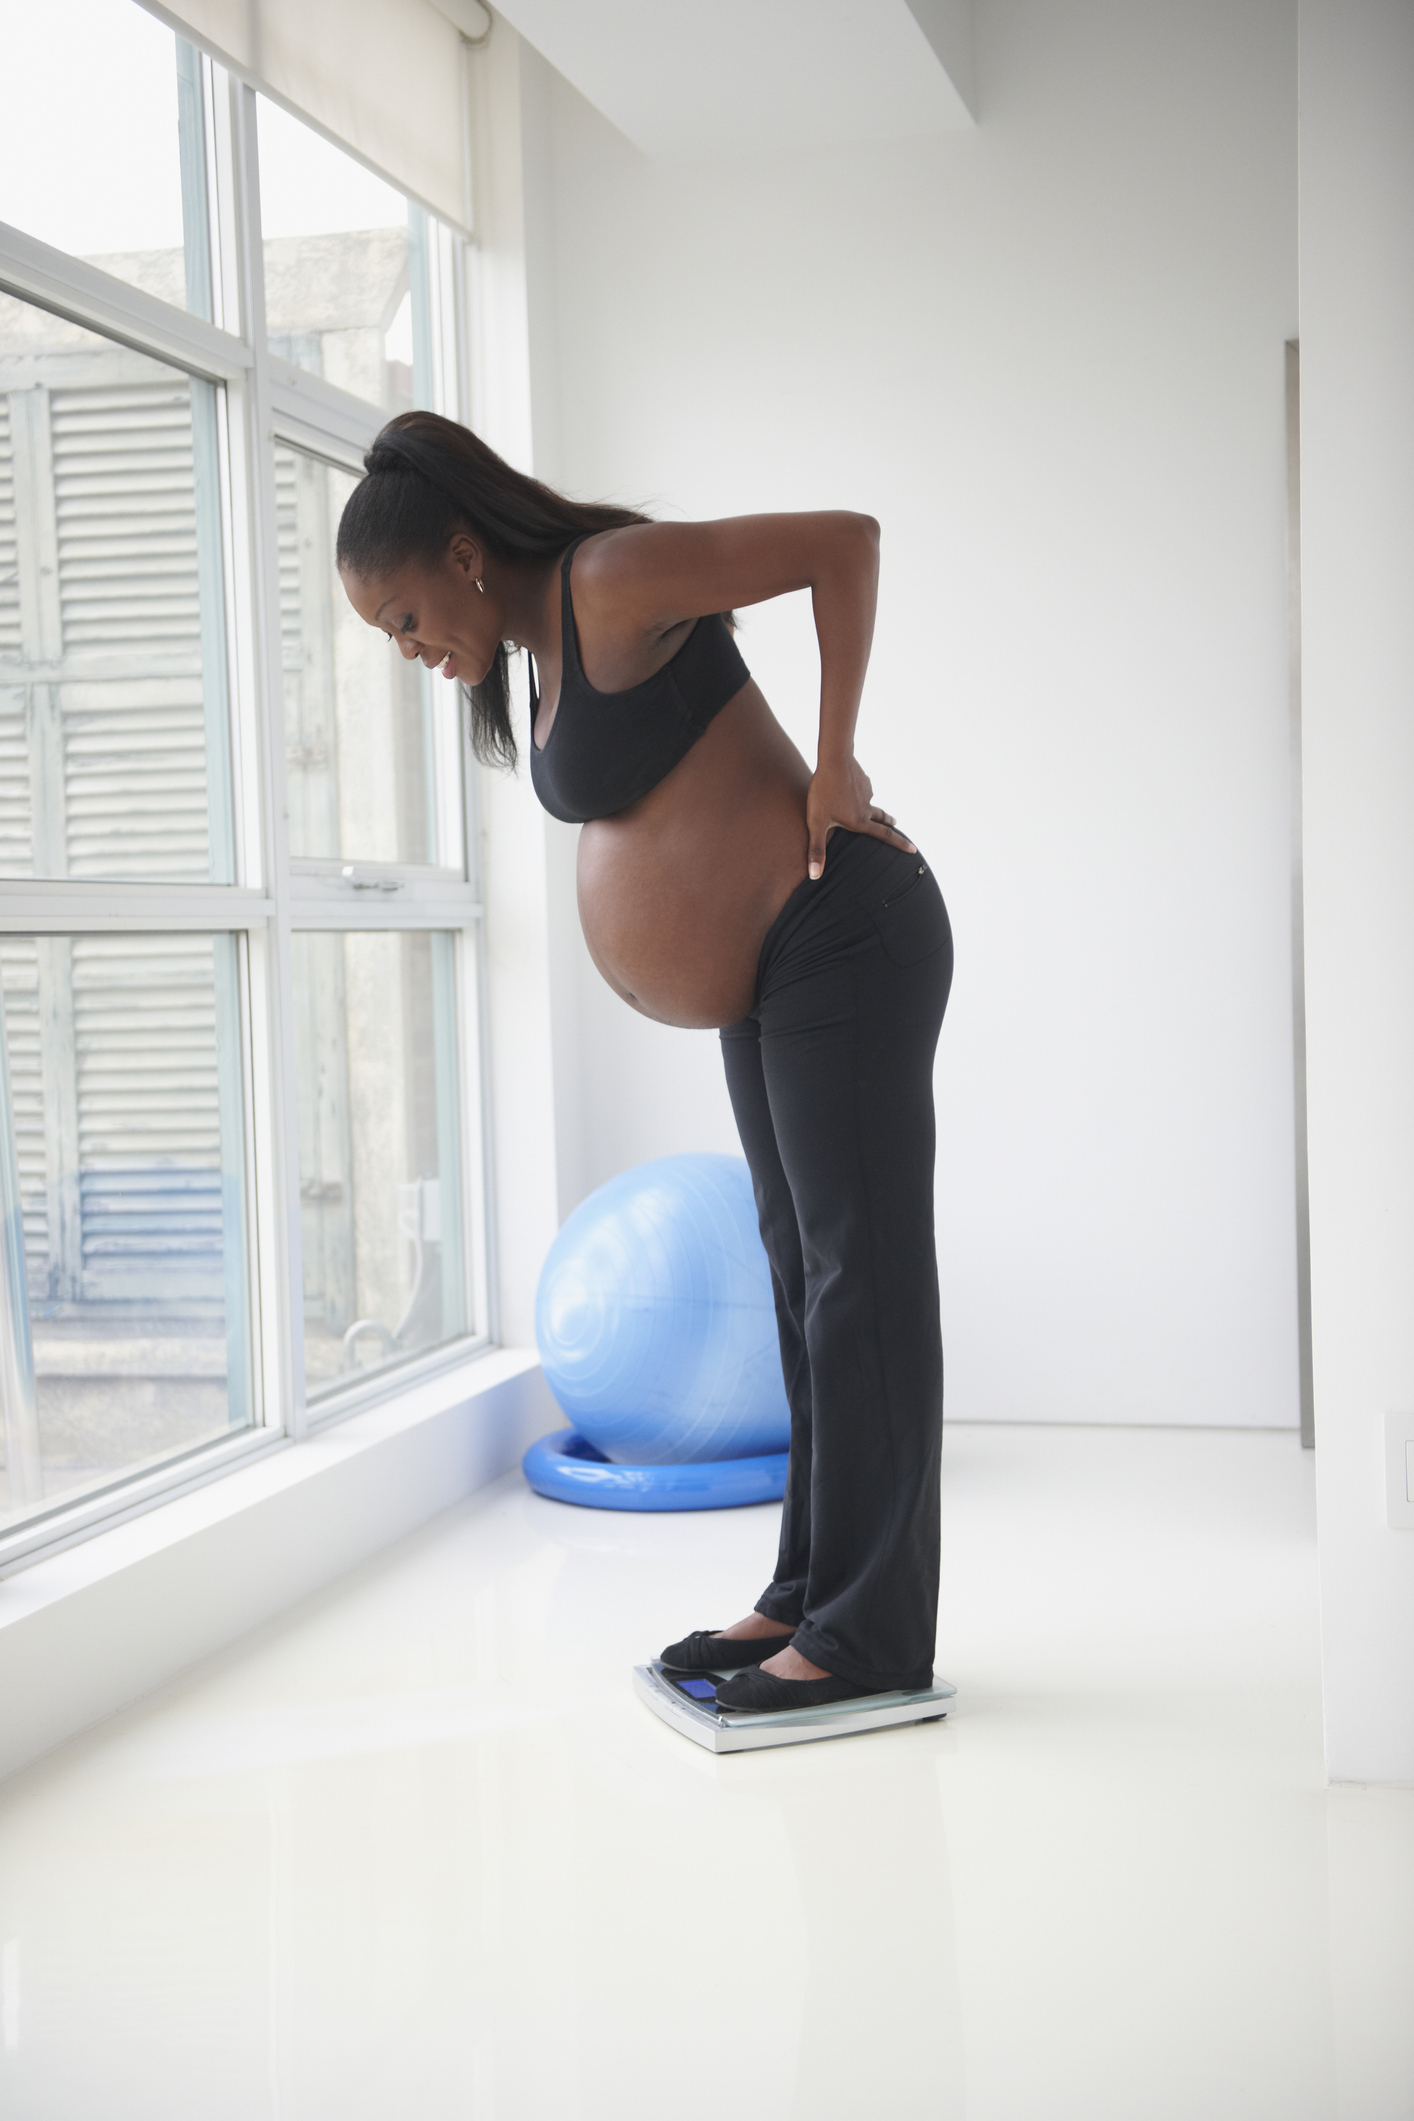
{"x":703,"y":1651}
{"x":764,"y":1693}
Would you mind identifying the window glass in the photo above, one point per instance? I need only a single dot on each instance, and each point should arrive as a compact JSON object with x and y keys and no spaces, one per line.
{"x":373,"y":745}
{"x":346,"y":268}
{"x":114,"y":752}
{"x":128,"y":1322}
{"x":379,"y":1150}
{"x":124,"y":1338}
{"x":102,"y":143}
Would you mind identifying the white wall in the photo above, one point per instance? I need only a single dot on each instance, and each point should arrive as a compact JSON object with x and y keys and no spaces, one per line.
{"x":1357,"y":448}
{"x":1048,"y":356}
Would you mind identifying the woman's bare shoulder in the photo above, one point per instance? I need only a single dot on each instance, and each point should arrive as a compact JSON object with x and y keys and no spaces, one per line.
{"x":665,"y":572}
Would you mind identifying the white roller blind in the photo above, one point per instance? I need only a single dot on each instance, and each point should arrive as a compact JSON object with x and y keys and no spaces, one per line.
{"x":383,"y":77}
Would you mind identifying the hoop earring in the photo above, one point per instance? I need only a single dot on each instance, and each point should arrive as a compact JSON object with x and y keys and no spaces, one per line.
{"x":481,"y":585}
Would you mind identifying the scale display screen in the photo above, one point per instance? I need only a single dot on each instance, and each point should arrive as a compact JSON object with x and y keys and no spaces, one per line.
{"x":699,"y":1689}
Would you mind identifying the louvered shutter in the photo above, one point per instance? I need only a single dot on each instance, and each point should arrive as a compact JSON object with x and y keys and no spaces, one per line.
{"x":287,"y":542}
{"x":9,"y":549}
{"x":321,"y":1061}
{"x":15,"y":843}
{"x":19,"y":977}
{"x":146,"y":1087}
{"x":111,"y":1039}
{"x":148,"y":1118}
{"x":307,"y":654}
{"x":120,"y":1060}
{"x":134,"y":738}
{"x":19,"y":957}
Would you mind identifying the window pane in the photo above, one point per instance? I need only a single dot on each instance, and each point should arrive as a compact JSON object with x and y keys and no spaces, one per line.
{"x":346,"y":268}
{"x":102,"y":142}
{"x":379,"y":1150}
{"x":114,"y":754}
{"x":373,"y":741}
{"x":126,"y":1341}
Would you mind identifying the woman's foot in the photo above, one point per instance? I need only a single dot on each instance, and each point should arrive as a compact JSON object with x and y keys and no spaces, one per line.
{"x":762,"y":1692}
{"x":789,"y":1664}
{"x":756,"y":1627}
{"x":785,"y":1663}
{"x":726,"y":1649}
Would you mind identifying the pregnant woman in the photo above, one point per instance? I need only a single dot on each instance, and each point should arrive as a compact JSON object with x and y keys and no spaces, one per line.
{"x":723,"y":883}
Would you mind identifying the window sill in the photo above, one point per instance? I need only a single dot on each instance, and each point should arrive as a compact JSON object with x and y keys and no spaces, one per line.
{"x":86,"y":1631}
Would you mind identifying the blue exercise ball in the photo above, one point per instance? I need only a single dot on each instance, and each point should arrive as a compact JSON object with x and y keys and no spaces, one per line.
{"x":655,"y":1319}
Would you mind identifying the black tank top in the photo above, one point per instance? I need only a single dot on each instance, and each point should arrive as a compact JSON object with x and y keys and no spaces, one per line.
{"x":606,"y":749}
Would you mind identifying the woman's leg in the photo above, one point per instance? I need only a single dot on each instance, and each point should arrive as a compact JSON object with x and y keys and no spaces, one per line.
{"x":849,"y":1018}
{"x":746,"y":1086}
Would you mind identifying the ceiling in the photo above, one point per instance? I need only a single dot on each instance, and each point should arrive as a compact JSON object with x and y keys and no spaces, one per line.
{"x":693,"y":80}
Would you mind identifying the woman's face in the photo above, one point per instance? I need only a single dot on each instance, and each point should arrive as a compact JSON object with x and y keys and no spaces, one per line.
{"x":435,"y":614}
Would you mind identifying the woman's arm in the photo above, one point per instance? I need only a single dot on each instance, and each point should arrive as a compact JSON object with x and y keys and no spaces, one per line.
{"x":650,"y":578}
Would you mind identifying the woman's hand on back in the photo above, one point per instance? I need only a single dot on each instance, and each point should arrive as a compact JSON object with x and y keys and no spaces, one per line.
{"x":651,"y":577}
{"x":841,"y":793}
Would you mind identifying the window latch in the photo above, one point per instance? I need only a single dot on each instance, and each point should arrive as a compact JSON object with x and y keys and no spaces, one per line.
{"x":372,"y":883}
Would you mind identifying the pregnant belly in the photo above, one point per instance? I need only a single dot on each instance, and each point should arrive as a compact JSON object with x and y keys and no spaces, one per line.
{"x":676,"y":893}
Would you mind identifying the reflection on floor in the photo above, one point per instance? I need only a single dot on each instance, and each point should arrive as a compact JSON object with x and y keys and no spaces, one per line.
{"x":417,"y":1852}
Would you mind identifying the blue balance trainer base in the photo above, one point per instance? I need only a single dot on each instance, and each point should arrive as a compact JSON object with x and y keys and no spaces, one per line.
{"x":568,"y":1469}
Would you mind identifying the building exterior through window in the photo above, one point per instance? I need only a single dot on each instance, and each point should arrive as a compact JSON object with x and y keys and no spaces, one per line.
{"x":239,"y":932}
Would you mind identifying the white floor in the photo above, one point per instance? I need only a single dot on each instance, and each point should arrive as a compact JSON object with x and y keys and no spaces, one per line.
{"x":416,"y":1853}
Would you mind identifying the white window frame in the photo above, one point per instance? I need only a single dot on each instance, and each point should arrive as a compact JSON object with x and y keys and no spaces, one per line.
{"x":267,"y":402}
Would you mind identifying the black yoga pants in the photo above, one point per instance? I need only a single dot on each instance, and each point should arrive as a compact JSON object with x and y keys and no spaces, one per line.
{"x":831,"y":1081}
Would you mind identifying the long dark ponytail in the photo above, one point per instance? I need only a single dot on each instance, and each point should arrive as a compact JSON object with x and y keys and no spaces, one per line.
{"x":427,"y":478}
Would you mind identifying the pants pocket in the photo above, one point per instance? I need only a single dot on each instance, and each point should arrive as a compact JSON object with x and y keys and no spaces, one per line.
{"x":913,"y":923}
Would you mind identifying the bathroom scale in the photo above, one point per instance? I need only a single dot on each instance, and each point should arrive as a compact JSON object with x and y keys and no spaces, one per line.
{"x":687,"y":1701}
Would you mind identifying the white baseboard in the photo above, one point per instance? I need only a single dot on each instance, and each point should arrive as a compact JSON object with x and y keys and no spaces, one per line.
{"x":91,"y":1629}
